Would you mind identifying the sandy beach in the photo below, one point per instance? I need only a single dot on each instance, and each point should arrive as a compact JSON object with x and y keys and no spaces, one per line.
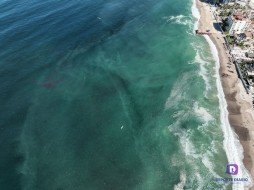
{"x":240,"y":109}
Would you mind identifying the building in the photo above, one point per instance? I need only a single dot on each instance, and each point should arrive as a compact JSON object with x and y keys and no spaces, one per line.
{"x":250,"y":55}
{"x":224,"y":1}
{"x":242,"y":2}
{"x":251,"y":4}
{"x":239,"y":54}
{"x":237,"y":23}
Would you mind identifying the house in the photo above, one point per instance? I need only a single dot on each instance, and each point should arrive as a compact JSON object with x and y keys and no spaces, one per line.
{"x":250,"y":55}
{"x":249,"y":35}
{"x":242,"y":36}
{"x":237,"y":23}
{"x":241,"y":2}
{"x":251,"y":4}
{"x":232,"y":2}
{"x":224,"y":1}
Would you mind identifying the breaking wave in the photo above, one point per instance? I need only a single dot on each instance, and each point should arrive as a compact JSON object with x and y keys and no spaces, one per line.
{"x":202,"y":113}
{"x":179,"y":19}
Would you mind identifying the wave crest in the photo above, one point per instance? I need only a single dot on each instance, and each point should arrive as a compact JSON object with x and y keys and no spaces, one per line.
{"x":180,"y":19}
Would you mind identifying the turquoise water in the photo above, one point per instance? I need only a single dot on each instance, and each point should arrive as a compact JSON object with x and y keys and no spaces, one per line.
{"x":107,"y":95}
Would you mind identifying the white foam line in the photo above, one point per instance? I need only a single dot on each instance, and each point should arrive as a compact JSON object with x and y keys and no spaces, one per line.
{"x":203,"y":71}
{"x":231,"y":144}
{"x":195,"y":13}
{"x":180,"y":185}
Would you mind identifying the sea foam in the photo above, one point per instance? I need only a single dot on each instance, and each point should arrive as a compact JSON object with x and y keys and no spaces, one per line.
{"x":192,"y":154}
{"x":202,"y":113}
{"x":180,"y":185}
{"x":179,"y":19}
{"x":203,"y":71}
{"x":177,"y":93}
{"x":198,"y":59}
{"x":196,"y":14}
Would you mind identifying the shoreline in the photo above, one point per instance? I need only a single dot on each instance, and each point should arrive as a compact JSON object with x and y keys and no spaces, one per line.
{"x":239,"y":110}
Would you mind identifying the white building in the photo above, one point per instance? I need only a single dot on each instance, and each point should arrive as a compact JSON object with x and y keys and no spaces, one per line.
{"x":242,"y":2}
{"x":251,"y":4}
{"x":240,"y":54}
{"x":237,"y":24}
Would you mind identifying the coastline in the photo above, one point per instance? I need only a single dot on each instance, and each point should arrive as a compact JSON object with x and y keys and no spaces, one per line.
{"x":239,"y":112}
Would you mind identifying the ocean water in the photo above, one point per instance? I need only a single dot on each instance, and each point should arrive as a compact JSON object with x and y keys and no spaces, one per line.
{"x":107,"y":95}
